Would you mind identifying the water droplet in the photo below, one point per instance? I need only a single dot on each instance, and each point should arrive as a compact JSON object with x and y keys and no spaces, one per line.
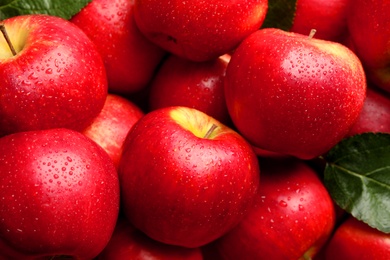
{"x":300,"y":207}
{"x":188,"y":150}
{"x":55,"y":176}
{"x":49,"y":71}
{"x":63,"y":169}
{"x":283,"y":203}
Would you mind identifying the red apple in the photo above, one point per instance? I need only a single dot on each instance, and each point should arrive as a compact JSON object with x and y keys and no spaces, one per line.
{"x":186,"y":179}
{"x":292,"y":94}
{"x":199,"y":30}
{"x":56,"y":79}
{"x":354,"y":239}
{"x":292,"y":218}
{"x":328,"y":17}
{"x":129,"y":58}
{"x":110,"y":128}
{"x":369,"y":30}
{"x":199,"y":85}
{"x":375,"y":115}
{"x":129,"y":243}
{"x":59,"y":195}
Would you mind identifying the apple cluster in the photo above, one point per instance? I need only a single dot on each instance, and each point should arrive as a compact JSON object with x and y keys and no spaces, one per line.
{"x":187,"y":129}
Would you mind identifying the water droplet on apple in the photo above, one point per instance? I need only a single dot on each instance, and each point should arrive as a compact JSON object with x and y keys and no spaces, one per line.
{"x":49,"y":71}
{"x":55,"y":176}
{"x":188,"y":150}
{"x":300,"y":207}
{"x":283,"y":203}
{"x":63,"y":169}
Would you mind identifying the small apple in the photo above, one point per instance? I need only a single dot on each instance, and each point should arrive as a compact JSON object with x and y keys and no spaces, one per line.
{"x":199,"y":85}
{"x":375,"y":115}
{"x":354,"y":239}
{"x":292,"y":218}
{"x":129,"y":58}
{"x":369,"y":29}
{"x":186,"y":179}
{"x":110,"y":128}
{"x":292,"y":94}
{"x":56,"y":78}
{"x":130,"y":243}
{"x":59,"y":195}
{"x":199,"y":30}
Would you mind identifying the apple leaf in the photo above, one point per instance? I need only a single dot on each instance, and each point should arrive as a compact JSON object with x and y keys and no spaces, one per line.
{"x":357,"y":176}
{"x":61,"y":8}
{"x":280,"y":14}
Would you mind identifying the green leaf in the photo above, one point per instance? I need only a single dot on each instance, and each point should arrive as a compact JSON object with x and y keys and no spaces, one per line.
{"x":357,"y":176}
{"x":62,"y":8}
{"x":280,"y":14}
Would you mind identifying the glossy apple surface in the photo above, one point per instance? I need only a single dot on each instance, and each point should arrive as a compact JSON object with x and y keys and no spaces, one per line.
{"x":59,"y":195}
{"x":183,"y":184}
{"x":199,"y":85}
{"x":291,"y":94}
{"x":129,"y":58}
{"x":292,"y":218}
{"x":110,"y":128}
{"x":56,"y":79}
{"x":354,"y":239}
{"x":199,"y":30}
{"x":129,"y":243}
{"x":369,"y":30}
{"x":375,"y":115}
{"x":329,"y":18}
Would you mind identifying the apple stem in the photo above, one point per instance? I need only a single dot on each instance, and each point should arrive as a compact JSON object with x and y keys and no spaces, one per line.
{"x":6,"y":37}
{"x":312,"y":32}
{"x":210,"y":131}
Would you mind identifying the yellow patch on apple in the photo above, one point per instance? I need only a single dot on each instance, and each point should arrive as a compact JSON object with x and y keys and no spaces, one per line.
{"x":196,"y":122}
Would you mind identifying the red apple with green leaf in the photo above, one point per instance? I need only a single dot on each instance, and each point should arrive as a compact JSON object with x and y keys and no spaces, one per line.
{"x":199,"y":30}
{"x":55,"y":77}
{"x":129,"y":243}
{"x":130,"y":59}
{"x":186,"y":179}
{"x":110,"y":128}
{"x":292,"y":218}
{"x":199,"y":85}
{"x":354,"y":239}
{"x":369,"y":30}
{"x":59,"y":195}
{"x":293,"y":94}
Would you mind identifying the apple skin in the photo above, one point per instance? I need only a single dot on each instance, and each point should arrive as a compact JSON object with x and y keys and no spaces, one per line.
{"x":59,"y":195}
{"x":199,"y":30}
{"x":129,"y":58}
{"x":329,"y":18}
{"x":354,"y":239}
{"x":375,"y":115}
{"x":294,"y":95}
{"x":293,"y":215}
{"x":199,"y":85}
{"x":110,"y":128}
{"x":369,"y":29}
{"x":130,"y":243}
{"x":175,"y":182}
{"x":56,"y":80}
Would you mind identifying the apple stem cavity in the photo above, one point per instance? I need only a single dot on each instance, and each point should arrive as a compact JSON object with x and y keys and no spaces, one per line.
{"x":312,"y":33}
{"x":8,"y":40}
{"x":210,"y":131}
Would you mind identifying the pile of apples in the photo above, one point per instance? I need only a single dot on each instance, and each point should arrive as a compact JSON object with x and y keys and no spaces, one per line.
{"x":187,"y":129}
